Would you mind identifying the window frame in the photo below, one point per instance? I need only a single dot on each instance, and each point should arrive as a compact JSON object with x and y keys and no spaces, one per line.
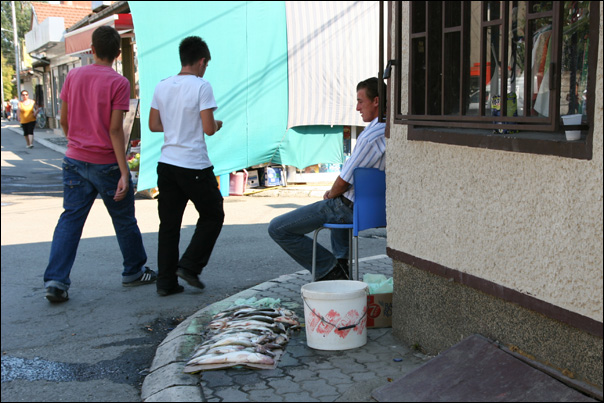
{"x":538,"y":135}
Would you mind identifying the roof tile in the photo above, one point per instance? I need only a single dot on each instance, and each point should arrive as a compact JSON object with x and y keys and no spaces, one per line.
{"x":71,"y":14}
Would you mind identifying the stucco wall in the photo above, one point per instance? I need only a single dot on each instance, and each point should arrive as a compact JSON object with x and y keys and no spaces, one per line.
{"x":529,"y":222}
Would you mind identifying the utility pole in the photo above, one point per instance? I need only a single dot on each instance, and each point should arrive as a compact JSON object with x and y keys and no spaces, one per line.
{"x":2,"y":86}
{"x":17,"y":61}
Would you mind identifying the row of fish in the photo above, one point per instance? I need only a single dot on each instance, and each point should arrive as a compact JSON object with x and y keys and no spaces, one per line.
{"x":244,"y":335}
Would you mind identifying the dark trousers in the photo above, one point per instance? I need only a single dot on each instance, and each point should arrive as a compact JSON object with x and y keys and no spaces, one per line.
{"x":176,"y":187}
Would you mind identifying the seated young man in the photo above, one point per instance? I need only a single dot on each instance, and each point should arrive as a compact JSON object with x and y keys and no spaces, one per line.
{"x":289,"y":230}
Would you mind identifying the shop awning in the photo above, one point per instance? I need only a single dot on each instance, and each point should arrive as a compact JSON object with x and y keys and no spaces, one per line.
{"x":79,"y":40}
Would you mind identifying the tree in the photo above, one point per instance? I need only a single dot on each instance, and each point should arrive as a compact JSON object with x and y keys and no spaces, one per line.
{"x":23,"y":15}
{"x":8,"y":74}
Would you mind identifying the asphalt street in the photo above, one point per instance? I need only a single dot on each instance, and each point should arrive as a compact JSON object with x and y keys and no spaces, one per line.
{"x":99,"y":345}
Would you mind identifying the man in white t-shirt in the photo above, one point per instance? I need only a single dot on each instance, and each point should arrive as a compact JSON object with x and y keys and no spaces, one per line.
{"x":183,"y":109}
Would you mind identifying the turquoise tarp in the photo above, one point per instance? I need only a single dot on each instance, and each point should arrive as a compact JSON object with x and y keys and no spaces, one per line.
{"x":248,"y":72}
{"x":303,"y":146}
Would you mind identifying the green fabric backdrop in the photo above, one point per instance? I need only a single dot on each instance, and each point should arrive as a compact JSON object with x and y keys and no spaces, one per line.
{"x":248,"y":72}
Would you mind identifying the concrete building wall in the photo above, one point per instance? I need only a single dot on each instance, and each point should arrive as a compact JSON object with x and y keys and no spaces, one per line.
{"x":523,"y":222}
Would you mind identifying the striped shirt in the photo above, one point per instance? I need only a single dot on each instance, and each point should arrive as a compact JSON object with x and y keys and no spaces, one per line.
{"x":369,"y":153}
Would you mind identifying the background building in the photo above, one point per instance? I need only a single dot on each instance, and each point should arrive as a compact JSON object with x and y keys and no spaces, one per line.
{"x":46,"y":44}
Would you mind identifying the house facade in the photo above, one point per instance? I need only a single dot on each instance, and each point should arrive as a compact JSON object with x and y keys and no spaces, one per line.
{"x":495,"y":218}
{"x":46,"y":44}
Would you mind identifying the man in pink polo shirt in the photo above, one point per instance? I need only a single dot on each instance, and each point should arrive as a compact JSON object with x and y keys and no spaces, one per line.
{"x":94,"y":99}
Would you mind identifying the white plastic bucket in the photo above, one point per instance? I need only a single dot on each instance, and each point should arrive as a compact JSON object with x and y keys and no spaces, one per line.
{"x":335,"y":313}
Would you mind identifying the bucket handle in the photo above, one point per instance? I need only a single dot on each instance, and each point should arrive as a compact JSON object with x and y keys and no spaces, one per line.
{"x":329,"y":323}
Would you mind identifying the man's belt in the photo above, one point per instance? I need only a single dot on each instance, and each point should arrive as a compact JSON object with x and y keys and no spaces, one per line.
{"x":347,"y":202}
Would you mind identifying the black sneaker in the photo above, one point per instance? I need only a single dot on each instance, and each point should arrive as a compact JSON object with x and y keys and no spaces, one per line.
{"x":190,"y":278}
{"x":54,"y":294}
{"x":165,"y":292}
{"x":344,"y":264}
{"x":148,"y":277}
{"x":337,"y":273}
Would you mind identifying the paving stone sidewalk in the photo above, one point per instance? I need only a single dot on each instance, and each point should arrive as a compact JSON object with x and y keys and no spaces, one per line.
{"x":303,"y":374}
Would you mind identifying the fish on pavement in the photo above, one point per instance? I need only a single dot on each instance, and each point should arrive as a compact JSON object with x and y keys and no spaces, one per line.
{"x":239,"y":357}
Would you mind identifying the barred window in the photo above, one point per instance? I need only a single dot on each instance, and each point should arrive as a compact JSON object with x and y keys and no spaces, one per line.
{"x":500,"y":74}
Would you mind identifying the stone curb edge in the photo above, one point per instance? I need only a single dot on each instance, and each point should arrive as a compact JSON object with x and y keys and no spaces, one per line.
{"x":37,"y":139}
{"x":166,"y":381}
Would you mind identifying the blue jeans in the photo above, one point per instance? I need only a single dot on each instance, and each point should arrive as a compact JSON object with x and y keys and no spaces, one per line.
{"x":82,"y":182}
{"x":289,"y":230}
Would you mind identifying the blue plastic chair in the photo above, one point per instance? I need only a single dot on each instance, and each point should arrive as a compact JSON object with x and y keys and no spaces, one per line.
{"x":369,"y":211}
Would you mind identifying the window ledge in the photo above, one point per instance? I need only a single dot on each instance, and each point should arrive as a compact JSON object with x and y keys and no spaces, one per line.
{"x":523,"y":142}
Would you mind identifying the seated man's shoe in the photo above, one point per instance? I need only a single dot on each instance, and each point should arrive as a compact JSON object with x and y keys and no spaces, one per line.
{"x":337,"y":273}
{"x":54,"y":294}
{"x":344,"y":264}
{"x":190,"y":278}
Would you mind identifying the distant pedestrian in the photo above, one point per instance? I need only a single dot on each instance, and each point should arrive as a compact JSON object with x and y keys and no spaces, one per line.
{"x":94,"y":99}
{"x":14,"y":105}
{"x":183,"y":108}
{"x":6,"y":113}
{"x":26,"y":114}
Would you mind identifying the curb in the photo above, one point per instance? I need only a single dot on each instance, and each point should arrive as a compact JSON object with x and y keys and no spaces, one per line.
{"x":289,"y":193}
{"x":166,"y":381}
{"x":51,"y":145}
{"x":42,"y":141}
{"x":60,"y":145}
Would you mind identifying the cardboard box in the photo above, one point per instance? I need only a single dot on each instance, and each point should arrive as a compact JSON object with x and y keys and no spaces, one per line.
{"x":379,"y":310}
{"x":274,"y":177}
{"x":253,"y":181}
